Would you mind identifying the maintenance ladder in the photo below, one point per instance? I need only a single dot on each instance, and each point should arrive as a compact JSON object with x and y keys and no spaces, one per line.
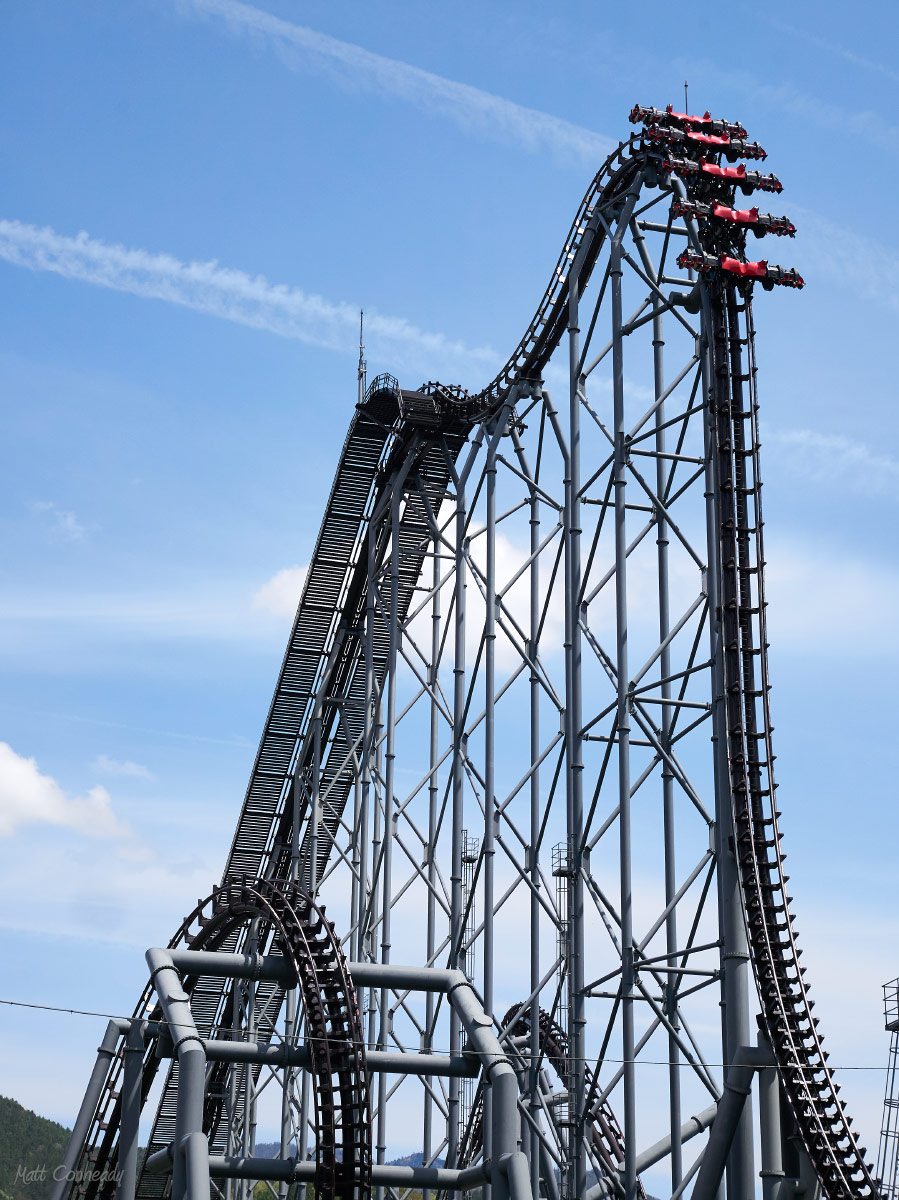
{"x":888,"y":1155}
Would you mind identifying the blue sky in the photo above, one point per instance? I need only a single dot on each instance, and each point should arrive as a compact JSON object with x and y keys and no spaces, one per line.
{"x":198,"y":196}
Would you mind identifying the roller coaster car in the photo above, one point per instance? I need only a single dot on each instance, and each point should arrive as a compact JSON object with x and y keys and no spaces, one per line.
{"x":759,"y":223}
{"x":711,"y":143}
{"x":747,"y":181}
{"x":667,"y":116}
{"x":768,"y":275}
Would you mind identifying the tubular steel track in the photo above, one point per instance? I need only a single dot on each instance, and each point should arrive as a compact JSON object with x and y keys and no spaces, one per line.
{"x":422,"y":433}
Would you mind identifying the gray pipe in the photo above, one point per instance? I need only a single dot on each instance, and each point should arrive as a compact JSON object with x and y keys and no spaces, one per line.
{"x":95,"y":1085}
{"x":131,"y":1100}
{"x":196,"y":1155}
{"x":234,"y":966}
{"x":515,"y":1167}
{"x":463,"y":1066}
{"x":294,"y":1171}
{"x":688,"y":1130}
{"x":482,"y":1042}
{"x":746,"y":1060}
{"x":191,"y":1055}
{"x":658,"y":1151}
{"x":772,"y":1171}
{"x":422,"y":979}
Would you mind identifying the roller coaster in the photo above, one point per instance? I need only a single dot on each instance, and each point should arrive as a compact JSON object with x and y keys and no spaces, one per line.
{"x":507,"y":887}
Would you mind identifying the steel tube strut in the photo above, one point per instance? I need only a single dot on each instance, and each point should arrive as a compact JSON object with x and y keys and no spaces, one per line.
{"x":534,"y":1146}
{"x":576,"y":1081}
{"x":191,"y":1055}
{"x":662,"y":1148}
{"x":668,"y":808}
{"x":725,"y":1126}
{"x":92,"y":1094}
{"x":623,"y":729}
{"x":457,"y":803}
{"x":131,"y":1103}
{"x":431,"y":848}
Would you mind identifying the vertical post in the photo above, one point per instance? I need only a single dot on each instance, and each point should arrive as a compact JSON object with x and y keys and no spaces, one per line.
{"x":740,"y":1166}
{"x":772,"y":1171}
{"x":92,"y":1095}
{"x":489,"y":746}
{"x":577,"y":1165}
{"x":534,"y":857}
{"x":431,"y":854}
{"x":668,"y":812}
{"x":248,"y":1140}
{"x":363,"y":944}
{"x":316,"y":795}
{"x":389,"y":801}
{"x":371,"y":794}
{"x":231,"y":1106}
{"x":356,"y":854}
{"x":456,"y":959}
{"x":189,"y":1111}
{"x":131,"y":1098}
{"x":375,"y":859}
{"x":731,"y":926}
{"x":628,"y":988}
{"x":290,"y":1000}
{"x":367,"y":902}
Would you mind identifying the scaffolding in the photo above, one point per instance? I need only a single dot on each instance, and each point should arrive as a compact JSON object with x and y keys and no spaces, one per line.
{"x":888,"y":1154}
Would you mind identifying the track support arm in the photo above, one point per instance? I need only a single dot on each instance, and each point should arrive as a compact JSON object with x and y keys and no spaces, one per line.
{"x":746,"y":1060}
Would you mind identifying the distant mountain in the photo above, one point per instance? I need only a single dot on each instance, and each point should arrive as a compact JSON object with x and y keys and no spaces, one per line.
{"x":273,"y":1149}
{"x":415,"y":1160}
{"x":31,"y":1148}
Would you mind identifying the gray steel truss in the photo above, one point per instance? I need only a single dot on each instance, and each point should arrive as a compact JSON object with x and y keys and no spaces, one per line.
{"x":521,"y":735}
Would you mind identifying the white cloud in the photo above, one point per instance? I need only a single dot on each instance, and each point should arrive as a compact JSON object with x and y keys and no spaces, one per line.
{"x":111,"y":766}
{"x":827,"y":596}
{"x":812,"y":110}
{"x":858,"y":60}
{"x":28,"y":797}
{"x":868,"y":266}
{"x":470,"y":107}
{"x":233,"y":295}
{"x":826,"y":457}
{"x":281,"y":595}
{"x":135,"y":898}
{"x":65,"y":524}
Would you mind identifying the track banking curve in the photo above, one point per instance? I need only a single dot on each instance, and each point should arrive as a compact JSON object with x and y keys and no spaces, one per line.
{"x":423,"y":431}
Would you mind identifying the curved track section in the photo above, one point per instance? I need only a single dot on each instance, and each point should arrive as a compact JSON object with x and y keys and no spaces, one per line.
{"x":393,"y":428}
{"x":289,"y":923}
{"x":604,"y":1131}
{"x":303,"y":935}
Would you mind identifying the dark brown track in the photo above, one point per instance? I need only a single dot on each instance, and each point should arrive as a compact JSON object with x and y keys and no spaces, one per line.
{"x":603,"y":1129}
{"x":787,"y":1009}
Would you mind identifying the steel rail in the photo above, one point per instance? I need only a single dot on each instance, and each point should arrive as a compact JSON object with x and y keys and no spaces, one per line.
{"x":606,"y":1138}
{"x":787,"y":1008}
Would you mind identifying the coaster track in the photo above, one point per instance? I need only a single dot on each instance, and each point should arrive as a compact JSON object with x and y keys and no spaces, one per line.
{"x":604,"y":1131}
{"x":319,"y":696}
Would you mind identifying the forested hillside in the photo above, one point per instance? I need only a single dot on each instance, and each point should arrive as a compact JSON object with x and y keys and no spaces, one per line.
{"x":31,"y":1148}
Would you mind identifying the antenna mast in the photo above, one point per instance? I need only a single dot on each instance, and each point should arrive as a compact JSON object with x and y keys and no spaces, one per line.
{"x":362,"y":364}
